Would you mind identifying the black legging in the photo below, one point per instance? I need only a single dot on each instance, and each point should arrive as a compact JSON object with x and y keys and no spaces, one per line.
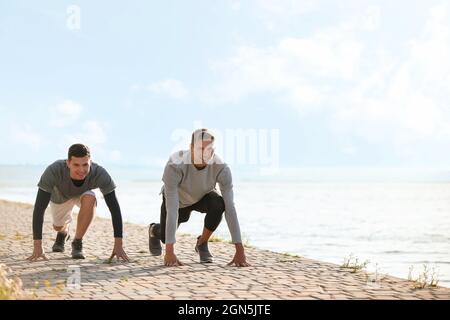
{"x":212,"y":204}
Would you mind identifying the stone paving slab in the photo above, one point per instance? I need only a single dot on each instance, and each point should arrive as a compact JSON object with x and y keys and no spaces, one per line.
{"x":271,"y":276}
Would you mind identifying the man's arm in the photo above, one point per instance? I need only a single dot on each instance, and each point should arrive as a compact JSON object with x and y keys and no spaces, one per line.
{"x":116,"y":214}
{"x":172,"y":207}
{"x":107,"y":187}
{"x":116,"y":217}
{"x":171,"y":179}
{"x":41,"y":204}
{"x":226,"y":188}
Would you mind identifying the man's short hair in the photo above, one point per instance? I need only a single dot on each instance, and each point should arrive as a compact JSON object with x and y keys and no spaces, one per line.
{"x":202,"y":135}
{"x":78,"y":151}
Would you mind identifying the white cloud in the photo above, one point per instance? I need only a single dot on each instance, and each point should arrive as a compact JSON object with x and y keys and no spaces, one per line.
{"x":152,"y":161}
{"x":408,"y":99}
{"x":371,"y":21}
{"x":286,"y":7}
{"x":115,"y":156}
{"x":91,"y":133}
{"x":235,"y":5}
{"x":279,"y":15}
{"x":24,"y":134}
{"x":65,"y":114}
{"x":170,"y":87}
{"x":349,"y":150}
{"x":95,"y":132}
{"x":368,"y":91}
{"x":135,"y":87}
{"x":299,"y":70}
{"x":274,"y":13}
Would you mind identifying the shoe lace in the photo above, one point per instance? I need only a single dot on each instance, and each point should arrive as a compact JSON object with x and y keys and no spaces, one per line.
{"x":60,"y":238}
{"x":78,"y":245}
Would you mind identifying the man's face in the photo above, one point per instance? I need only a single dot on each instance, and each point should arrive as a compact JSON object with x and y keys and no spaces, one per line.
{"x":202,"y":152}
{"x":79,"y":167}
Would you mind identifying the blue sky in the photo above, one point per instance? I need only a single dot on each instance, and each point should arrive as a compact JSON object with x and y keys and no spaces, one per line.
{"x":344,"y":83}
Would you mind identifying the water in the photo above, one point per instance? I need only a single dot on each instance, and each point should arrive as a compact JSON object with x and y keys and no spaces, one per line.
{"x":394,"y":225}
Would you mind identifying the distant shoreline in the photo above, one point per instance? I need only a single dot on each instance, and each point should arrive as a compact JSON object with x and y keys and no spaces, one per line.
{"x":282,"y":174}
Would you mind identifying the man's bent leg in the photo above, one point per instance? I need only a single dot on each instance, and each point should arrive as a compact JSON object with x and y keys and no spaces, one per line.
{"x":183,"y":216}
{"x":62,"y":216}
{"x":87,"y":205}
{"x":213,"y":205}
{"x":86,"y":215}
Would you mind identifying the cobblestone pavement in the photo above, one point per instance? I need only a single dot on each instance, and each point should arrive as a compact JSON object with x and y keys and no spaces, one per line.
{"x":271,"y":276}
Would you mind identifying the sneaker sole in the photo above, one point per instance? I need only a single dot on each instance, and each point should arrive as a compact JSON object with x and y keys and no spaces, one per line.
{"x":155,"y":248}
{"x":206,"y":261}
{"x":155,"y":252}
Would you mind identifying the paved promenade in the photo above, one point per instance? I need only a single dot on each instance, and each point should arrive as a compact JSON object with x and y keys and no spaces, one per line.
{"x":271,"y":276}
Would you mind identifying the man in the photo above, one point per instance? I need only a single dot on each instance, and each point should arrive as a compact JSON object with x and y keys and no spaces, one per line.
{"x":68,"y":183}
{"x":190,"y":179}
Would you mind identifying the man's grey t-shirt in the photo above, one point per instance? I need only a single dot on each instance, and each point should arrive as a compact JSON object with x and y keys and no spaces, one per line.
{"x":57,"y":181}
{"x":185,"y":185}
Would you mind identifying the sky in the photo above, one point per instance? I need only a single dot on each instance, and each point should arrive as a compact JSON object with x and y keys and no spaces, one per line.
{"x":313,"y":83}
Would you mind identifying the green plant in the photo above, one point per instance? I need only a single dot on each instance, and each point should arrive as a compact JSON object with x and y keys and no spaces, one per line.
{"x":354,"y":264}
{"x":427,"y":278}
{"x":11,"y":289}
{"x":216,"y":239}
{"x":288,"y":257}
{"x":245,"y":242}
{"x":19,"y":236}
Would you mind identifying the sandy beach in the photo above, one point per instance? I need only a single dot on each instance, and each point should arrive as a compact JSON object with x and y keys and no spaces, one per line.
{"x":271,"y":276}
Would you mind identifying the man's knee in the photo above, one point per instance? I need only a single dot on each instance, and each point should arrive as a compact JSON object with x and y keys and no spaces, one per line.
{"x":162,"y":235}
{"x":216,"y":204}
{"x":216,"y":208}
{"x":88,"y":200}
{"x":58,"y":229}
{"x":183,"y":219}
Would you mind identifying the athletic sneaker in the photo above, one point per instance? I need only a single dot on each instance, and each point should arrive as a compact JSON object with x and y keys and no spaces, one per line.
{"x":203,"y":252}
{"x":58,"y":246}
{"x":77,"y":249}
{"x":154,"y":242}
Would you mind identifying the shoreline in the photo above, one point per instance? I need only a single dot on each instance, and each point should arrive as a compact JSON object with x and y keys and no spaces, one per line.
{"x":271,"y":276}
